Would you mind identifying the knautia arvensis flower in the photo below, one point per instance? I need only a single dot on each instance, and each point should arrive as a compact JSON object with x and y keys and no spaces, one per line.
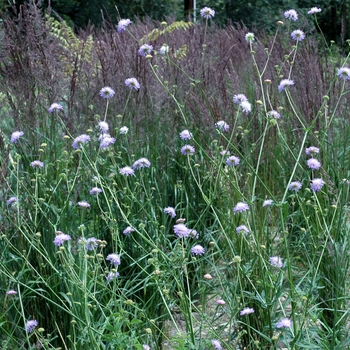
{"x":291,"y":14}
{"x":123,"y":24}
{"x":207,"y":12}
{"x":107,"y":92}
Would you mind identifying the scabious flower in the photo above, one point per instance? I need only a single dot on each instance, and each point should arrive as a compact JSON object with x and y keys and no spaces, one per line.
{"x":216,"y":343}
{"x":31,"y":325}
{"x":132,"y":83}
{"x":123,"y":130}
{"x":238,"y":99}
{"x":95,"y":190}
{"x":207,"y":12}
{"x":91,"y":243}
{"x":185,"y":135}
{"x":141,"y":163}
{"x":146,"y":347}
{"x":145,"y":50}
{"x":242,"y":228}
{"x":267,"y":203}
{"x":37,"y":164}
{"x":221,"y":302}
{"x":208,"y":276}
{"x":107,"y":92}
{"x":274,"y":115}
{"x":12,"y":200}
{"x":112,"y":275}
{"x":285,"y":83}
{"x":164,"y":49}
{"x":312,"y":150}
{"x":344,"y":73}
{"x":170,"y":211}
{"x":113,"y":259}
{"x":106,"y":141}
{"x":284,"y":322}
{"x":240,"y":207}
{"x":246,"y":106}
{"x":61,"y":238}
{"x":122,"y":25}
{"x":246,"y":311}
{"x":55,"y":107}
{"x":313,"y":164}
{"x":232,"y":161}
{"x":276,"y":261}
{"x":16,"y":135}
{"x":11,"y":292}
{"x":291,"y":14}
{"x":314,"y":10}
{"x":225,"y":152}
{"x":181,"y":230}
{"x":249,"y":37}
{"x":127,"y":171}
{"x":128,"y":230}
{"x":187,"y":150}
{"x":84,"y":204}
{"x":80,"y":140}
{"x":103,"y":126}
{"x":193,"y":234}
{"x":222,"y":125}
{"x":298,"y":35}
{"x":295,"y":186}
{"x":316,"y":184}
{"x":197,"y":250}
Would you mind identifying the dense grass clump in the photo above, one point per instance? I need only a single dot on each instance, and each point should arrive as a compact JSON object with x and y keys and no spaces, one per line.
{"x":172,"y":186}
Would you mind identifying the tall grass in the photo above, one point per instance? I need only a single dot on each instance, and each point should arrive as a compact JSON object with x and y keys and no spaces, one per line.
{"x":260,"y":262}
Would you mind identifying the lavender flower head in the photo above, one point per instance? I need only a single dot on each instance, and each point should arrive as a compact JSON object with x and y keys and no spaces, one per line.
{"x":193,"y":234}
{"x":181,"y":230}
{"x":284,"y":322}
{"x":132,"y":83}
{"x":91,"y":243}
{"x":146,"y":347}
{"x":37,"y":164}
{"x":170,"y":211}
{"x":11,"y":292}
{"x":222,"y":125}
{"x":187,"y":150}
{"x":240,"y":207}
{"x":249,"y":37}
{"x":12,"y":200}
{"x":95,"y":190}
{"x":314,"y":10}
{"x":295,"y":186}
{"x":276,"y":261}
{"x":221,"y":302}
{"x":232,"y":161}
{"x":112,"y":275}
{"x":267,"y":203}
{"x":216,"y":344}
{"x":285,"y":83}
{"x":274,"y":115}
{"x":128,"y":230}
{"x":207,"y":12}
{"x":16,"y":136}
{"x":55,"y":107}
{"x":197,"y":250}
{"x":83,"y":204}
{"x":298,"y":35}
{"x":141,"y":163}
{"x":103,"y":126}
{"x":80,"y":140}
{"x":61,"y":238}
{"x":246,"y":106}
{"x":238,"y":99}
{"x":122,"y":25}
{"x":291,"y":14}
{"x":316,"y":184}
{"x":344,"y":73}
{"x":246,"y":311}
{"x":107,"y":92}
{"x":185,"y":135}
{"x":123,"y":130}
{"x":242,"y":228}
{"x":312,"y":150}
{"x":31,"y":325}
{"x":313,"y":164}
{"x":145,"y":50}
{"x":113,"y":259}
{"x":106,"y":140}
{"x":127,"y":171}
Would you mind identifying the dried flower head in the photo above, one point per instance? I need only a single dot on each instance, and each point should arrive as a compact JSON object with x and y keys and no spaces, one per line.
{"x":207,"y":12}
{"x":122,"y":25}
{"x":107,"y":92}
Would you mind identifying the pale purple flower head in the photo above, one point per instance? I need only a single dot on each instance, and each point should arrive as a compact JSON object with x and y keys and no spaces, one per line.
{"x":216,"y":344}
{"x":225,"y":152}
{"x":313,"y":164}
{"x":12,"y":200}
{"x":83,"y":204}
{"x":107,"y":92}
{"x":55,"y":107}
{"x":221,"y":302}
{"x":239,"y":98}
{"x":122,"y":25}
{"x":285,"y":83}
{"x":141,"y":163}
{"x":123,"y":130}
{"x":193,"y":234}
{"x":132,"y":83}
{"x":316,"y":184}
{"x":276,"y":261}
{"x":106,"y":141}
{"x":95,"y":190}
{"x":146,"y":347}
{"x":112,"y":275}
{"x":145,"y":50}
{"x":37,"y":164}
{"x":207,"y":12}
{"x":246,"y":311}
{"x":240,"y":207}
{"x":222,"y":125}
{"x":170,"y":211}
{"x":284,"y":322}
{"x":243,"y":228}
{"x":187,"y":150}
{"x":250,"y":37}
{"x":127,"y":171}
{"x":267,"y":202}
{"x":60,"y":239}
{"x":91,"y":243}
{"x":274,"y":115}
{"x":314,"y":10}
{"x":312,"y":150}
{"x":113,"y":259}
{"x":128,"y":230}
{"x":185,"y":135}
{"x":197,"y":250}
{"x":181,"y":230}
{"x":232,"y":161}
{"x":80,"y":140}
{"x":298,"y":35}
{"x":291,"y":14}
{"x":11,"y":292}
{"x":31,"y":325}
{"x":16,"y":136}
{"x":295,"y":186}
{"x":344,"y":73}
{"x":103,"y":126}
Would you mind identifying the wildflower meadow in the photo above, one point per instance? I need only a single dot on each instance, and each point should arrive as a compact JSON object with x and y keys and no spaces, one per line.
{"x":173,"y":185}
